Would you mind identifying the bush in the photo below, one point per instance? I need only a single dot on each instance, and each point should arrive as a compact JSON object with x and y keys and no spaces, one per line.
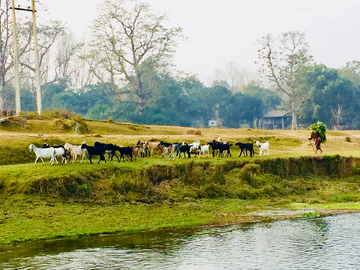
{"x":32,"y":115}
{"x":46,"y":114}
{"x":339,"y":198}
{"x":64,"y":113}
{"x":250,"y":169}
{"x":357,"y":170}
{"x":83,"y":127}
{"x":193,"y":131}
{"x":111,"y":121}
{"x":61,"y":125}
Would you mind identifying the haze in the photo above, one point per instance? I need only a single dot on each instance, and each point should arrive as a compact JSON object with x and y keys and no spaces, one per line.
{"x":226,"y":31}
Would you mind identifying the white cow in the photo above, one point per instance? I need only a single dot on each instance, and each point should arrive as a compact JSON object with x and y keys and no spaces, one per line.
{"x":264,"y":147}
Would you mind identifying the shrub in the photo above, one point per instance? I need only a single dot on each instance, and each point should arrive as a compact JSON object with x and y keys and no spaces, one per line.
{"x":46,"y":114}
{"x":357,"y":170}
{"x":61,"y":125}
{"x":250,"y":169}
{"x":111,"y":121}
{"x":310,"y":215}
{"x":193,"y":131}
{"x":347,"y":139}
{"x":32,"y":115}
{"x":83,"y":127}
{"x":339,"y":198}
{"x":85,"y":189}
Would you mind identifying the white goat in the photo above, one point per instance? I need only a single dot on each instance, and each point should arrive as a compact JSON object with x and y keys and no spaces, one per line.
{"x":76,"y":151}
{"x":194,"y":147}
{"x":60,"y":152}
{"x":204,"y":150}
{"x":43,"y":153}
{"x":264,"y":147}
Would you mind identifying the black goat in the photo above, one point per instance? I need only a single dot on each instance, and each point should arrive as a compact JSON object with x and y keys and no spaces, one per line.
{"x":184,"y":149}
{"x":166,"y":144}
{"x":245,"y":147}
{"x":94,"y":151}
{"x":109,"y":149}
{"x":128,"y":150}
{"x":215,"y":146}
{"x":221,"y":147}
{"x":225,"y":147}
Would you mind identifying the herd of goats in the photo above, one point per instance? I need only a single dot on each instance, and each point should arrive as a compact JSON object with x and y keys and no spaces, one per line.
{"x":143,"y":149}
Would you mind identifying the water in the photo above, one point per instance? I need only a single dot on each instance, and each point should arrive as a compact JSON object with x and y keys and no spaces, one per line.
{"x":318,"y":243}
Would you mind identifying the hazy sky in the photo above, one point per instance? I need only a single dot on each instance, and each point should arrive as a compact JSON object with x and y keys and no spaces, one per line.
{"x":223,"y":31}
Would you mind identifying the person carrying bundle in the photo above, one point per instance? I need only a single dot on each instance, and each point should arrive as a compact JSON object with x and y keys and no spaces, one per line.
{"x":318,"y":131}
{"x":317,"y":140}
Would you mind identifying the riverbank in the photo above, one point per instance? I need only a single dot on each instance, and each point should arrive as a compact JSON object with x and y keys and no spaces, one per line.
{"x":65,"y":201}
{"x":25,"y":220}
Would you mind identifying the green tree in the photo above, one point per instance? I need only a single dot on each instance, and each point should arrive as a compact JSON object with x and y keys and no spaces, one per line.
{"x":98,"y":112}
{"x":242,"y":109}
{"x":284,"y":59}
{"x":123,"y":39}
{"x":331,"y":98}
{"x":67,"y":100}
{"x":49,"y":91}
{"x":351,"y":71}
{"x":100,"y":93}
{"x":269,"y":98}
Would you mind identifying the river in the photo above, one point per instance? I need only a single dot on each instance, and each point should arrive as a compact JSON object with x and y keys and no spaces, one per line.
{"x":330,"y":242}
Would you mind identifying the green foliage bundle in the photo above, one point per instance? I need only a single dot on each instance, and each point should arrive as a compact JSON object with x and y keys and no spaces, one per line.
{"x":320,"y":129}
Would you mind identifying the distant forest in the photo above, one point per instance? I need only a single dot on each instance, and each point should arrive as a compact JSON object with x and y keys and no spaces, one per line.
{"x":124,"y":71}
{"x":329,"y":95}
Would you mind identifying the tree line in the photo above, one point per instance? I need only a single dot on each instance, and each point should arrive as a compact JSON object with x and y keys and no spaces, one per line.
{"x":125,"y":72}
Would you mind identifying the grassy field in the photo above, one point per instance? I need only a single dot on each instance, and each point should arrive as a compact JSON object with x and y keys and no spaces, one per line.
{"x":44,"y":202}
{"x":283,"y":143}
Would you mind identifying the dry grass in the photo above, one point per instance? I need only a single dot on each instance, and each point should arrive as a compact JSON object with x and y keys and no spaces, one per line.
{"x":283,"y":143}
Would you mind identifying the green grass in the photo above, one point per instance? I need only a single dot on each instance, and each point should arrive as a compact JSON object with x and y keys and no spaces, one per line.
{"x":44,"y":201}
{"x":33,"y":218}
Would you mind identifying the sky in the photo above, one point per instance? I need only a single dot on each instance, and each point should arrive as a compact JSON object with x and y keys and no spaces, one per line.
{"x":222,"y":31}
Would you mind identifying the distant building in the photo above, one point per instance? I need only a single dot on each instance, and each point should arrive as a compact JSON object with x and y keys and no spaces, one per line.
{"x":212,"y":123}
{"x":276,"y":120}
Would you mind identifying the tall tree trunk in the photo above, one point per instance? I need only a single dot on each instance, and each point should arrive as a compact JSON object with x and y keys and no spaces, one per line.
{"x":293,"y":113}
{"x":1,"y":97}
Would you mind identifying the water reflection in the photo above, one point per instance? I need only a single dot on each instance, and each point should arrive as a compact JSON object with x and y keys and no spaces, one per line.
{"x":319,"y":243}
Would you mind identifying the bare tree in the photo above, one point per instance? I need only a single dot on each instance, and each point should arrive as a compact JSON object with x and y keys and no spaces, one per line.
{"x":234,"y":75}
{"x":283,"y":60}
{"x":6,"y":53}
{"x":66,"y":49}
{"x":47,"y":36}
{"x":337,"y":116}
{"x":124,"y":39}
